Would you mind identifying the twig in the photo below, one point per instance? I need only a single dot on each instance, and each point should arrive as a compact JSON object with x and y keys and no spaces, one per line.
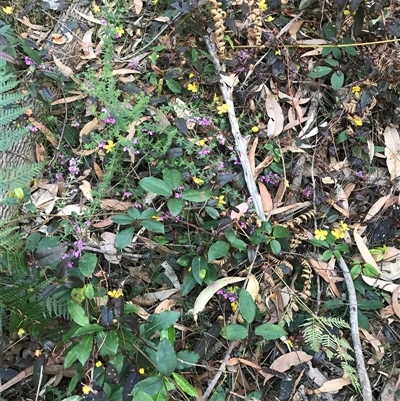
{"x":362,"y":371}
{"x":240,"y":142}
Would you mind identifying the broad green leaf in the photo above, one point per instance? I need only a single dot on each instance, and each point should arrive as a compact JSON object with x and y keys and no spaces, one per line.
{"x":319,"y":71}
{"x":247,"y":306}
{"x":238,"y":244}
{"x":166,"y":357}
{"x":189,"y":282}
{"x":133,"y":212}
{"x":337,"y":80}
{"x":219,"y":395}
{"x":151,"y":385}
{"x":275,"y":247}
{"x":355,"y":271}
{"x":370,"y":271}
{"x":304,"y":4}
{"x":234,"y":332}
{"x":112,"y":342}
{"x":332,"y":62}
{"x":218,"y":250}
{"x":160,"y":321}
{"x":124,"y":237}
{"x":84,"y":349}
{"x":155,"y":185}
{"x":173,"y":85}
{"x":186,"y":359}
{"x":89,"y":291}
{"x":153,"y":226}
{"x":333,"y":304}
{"x":280,"y":232}
{"x":195,"y":195}
{"x":175,"y":206}
{"x":87,"y":264}
{"x":89,"y":329}
{"x":185,"y":260}
{"x":369,"y":304}
{"x":77,"y":313}
{"x":199,"y":266}
{"x":327,"y":255}
{"x":363,"y":321}
{"x":71,"y":357}
{"x":270,"y":331}
{"x":141,"y":396}
{"x":123,"y":219}
{"x":173,"y":178}
{"x":184,"y":385}
{"x":212,"y":212}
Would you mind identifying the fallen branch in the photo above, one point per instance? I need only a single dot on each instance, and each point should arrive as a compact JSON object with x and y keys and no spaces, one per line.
{"x":240,"y":142}
{"x":361,"y":369}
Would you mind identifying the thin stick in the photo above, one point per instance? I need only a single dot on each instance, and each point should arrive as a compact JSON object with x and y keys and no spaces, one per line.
{"x":240,"y":142}
{"x":362,"y":371}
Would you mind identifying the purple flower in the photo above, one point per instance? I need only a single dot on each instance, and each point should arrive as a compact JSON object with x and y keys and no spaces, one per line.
{"x":79,"y":248}
{"x":204,"y":152}
{"x":205,"y":121}
{"x":220,"y":166}
{"x":28,"y":61}
{"x":33,"y":128}
{"x":59,"y":176}
{"x":127,"y":194}
{"x":73,"y":169}
{"x":221,"y":139}
{"x":177,"y":195}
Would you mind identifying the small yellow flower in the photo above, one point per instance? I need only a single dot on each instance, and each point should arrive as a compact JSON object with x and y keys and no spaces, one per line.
{"x":96,"y":9}
{"x":343,"y":226}
{"x":255,"y":129}
{"x":115,"y":293}
{"x":346,"y":12}
{"x":193,"y":87}
{"x":191,"y":75}
{"x":355,"y":89}
{"x":120,"y":30}
{"x":270,"y":18}
{"x":198,"y":181}
{"x":21,"y":332}
{"x":338,"y":233}
{"x":287,"y":183}
{"x":216,"y":99}
{"x":154,"y":2}
{"x":7,"y":10}
{"x":263,"y":5}
{"x":234,"y":305}
{"x":110,"y":145}
{"x":98,"y":364}
{"x":156,"y":218}
{"x":86,"y":389}
{"x":278,"y":52}
{"x":141,"y":371}
{"x":357,"y":121}
{"x":221,"y":201}
{"x":223,"y":108}
{"x":320,"y":235}
{"x":201,"y":143}
{"x":38,"y":353}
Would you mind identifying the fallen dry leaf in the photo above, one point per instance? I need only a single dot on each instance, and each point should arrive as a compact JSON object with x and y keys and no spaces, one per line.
{"x":265,"y":197}
{"x":392,"y":151}
{"x":86,"y":189}
{"x":365,"y":253}
{"x":332,"y":385}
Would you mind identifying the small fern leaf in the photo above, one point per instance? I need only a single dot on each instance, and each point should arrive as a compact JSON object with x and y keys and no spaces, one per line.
{"x":7,"y":116}
{"x":7,"y":138}
{"x":7,"y":99}
{"x":16,"y":177}
{"x":7,"y":82}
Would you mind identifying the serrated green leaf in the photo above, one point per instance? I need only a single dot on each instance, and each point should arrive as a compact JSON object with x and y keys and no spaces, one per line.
{"x":270,"y":331}
{"x":247,"y":306}
{"x":78,"y":314}
{"x":218,"y":250}
{"x":234,"y":332}
{"x":155,"y":185}
{"x":124,"y":238}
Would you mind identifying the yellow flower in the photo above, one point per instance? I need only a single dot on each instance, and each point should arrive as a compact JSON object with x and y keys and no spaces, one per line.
{"x":115,"y":293}
{"x":216,"y":99}
{"x":156,"y":218}
{"x":154,"y":2}
{"x":141,"y":371}
{"x":270,"y":18}
{"x":120,"y":30}
{"x":110,"y":145}
{"x":255,"y":129}
{"x":287,"y":183}
{"x":320,"y":235}
{"x":201,"y":143}
{"x":221,"y":201}
{"x":96,"y":9}
{"x":7,"y":10}
{"x":21,"y":332}
{"x":346,"y":12}
{"x":355,"y":89}
{"x":191,"y":75}
{"x":98,"y":364}
{"x":338,"y":233}
{"x":198,"y":181}
{"x":193,"y":87}
{"x":357,"y":121}
{"x":234,"y":305}
{"x":278,"y":52}
{"x":263,"y":5}
{"x":223,"y":108}
{"x":38,"y":353}
{"x":343,"y":226}
{"x":86,"y":389}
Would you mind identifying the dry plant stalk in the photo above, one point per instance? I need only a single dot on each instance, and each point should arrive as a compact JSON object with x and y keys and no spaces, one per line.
{"x":218,"y":16}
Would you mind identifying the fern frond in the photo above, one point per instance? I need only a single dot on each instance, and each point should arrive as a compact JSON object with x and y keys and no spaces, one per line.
{"x":7,"y":82}
{"x":16,"y":177}
{"x":7,"y":99}
{"x":7,"y":138}
{"x":7,"y":116}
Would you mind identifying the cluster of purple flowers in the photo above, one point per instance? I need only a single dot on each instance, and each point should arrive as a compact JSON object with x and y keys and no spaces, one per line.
{"x":109,"y":119}
{"x":73,"y":168}
{"x":270,"y":178}
{"x":231,"y":296}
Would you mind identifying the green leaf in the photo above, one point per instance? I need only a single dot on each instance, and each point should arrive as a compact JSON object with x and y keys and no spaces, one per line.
{"x":319,"y":71}
{"x":234,"y":332}
{"x":332,"y":62}
{"x":355,"y":271}
{"x":155,"y":185}
{"x":275,"y":247}
{"x":142,"y":396}
{"x":124,"y":237}
{"x":327,"y":255}
{"x":337,"y":80}
{"x":185,"y":260}
{"x":304,"y":4}
{"x":184,"y":385}
{"x":333,"y":304}
{"x":238,"y":244}
{"x":369,"y":304}
{"x":133,"y":212}
{"x":218,"y":250}
{"x":77,"y":313}
{"x":112,"y":342}
{"x":151,"y":385}
{"x":186,"y":359}
{"x":123,"y":219}
{"x":212,"y":212}
{"x":160,"y":321}
{"x":319,"y":243}
{"x":370,"y":271}
{"x":189,"y":282}
{"x":84,"y":349}
{"x":270,"y":331}
{"x":173,"y":85}
{"x":280,"y":232}
{"x":173,"y":178}
{"x":247,"y":306}
{"x":87,"y":264}
{"x":342,"y":248}
{"x":89,"y":329}
{"x":166,"y":357}
{"x":199,"y":265}
{"x":194,"y":195}
{"x":71,"y":357}
{"x":175,"y":206}
{"x":363,"y":321}
{"x":153,"y":226}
